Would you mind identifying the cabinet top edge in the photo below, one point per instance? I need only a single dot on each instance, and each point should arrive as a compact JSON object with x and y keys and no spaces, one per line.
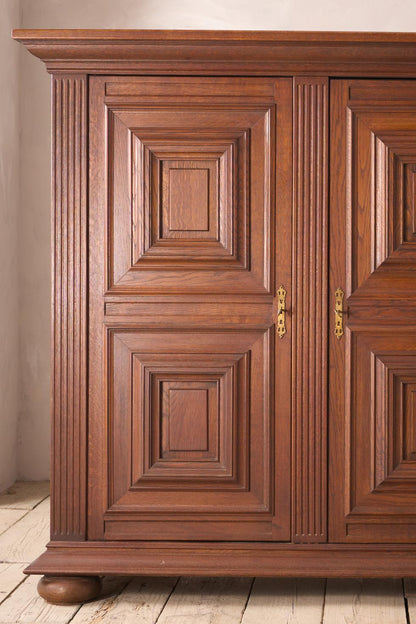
{"x":114,"y":36}
{"x":223,"y":52}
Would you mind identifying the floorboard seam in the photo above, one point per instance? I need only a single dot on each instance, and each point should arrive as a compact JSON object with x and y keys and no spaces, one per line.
{"x":323,"y":601}
{"x":248,"y":598}
{"x":406,"y":604}
{"x":16,"y":521}
{"x":167,"y":599}
{"x":25,"y":578}
{"x":74,"y":614}
{"x":41,"y":501}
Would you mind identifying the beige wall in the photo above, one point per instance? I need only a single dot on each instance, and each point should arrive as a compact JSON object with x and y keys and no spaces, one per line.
{"x":34,"y":229}
{"x":9,"y":212}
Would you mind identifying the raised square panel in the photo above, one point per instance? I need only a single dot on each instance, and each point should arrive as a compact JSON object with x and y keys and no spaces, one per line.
{"x":191,"y":198}
{"x":395,"y":164}
{"x":188,"y":199}
{"x":186,"y":413}
{"x":380,"y":194}
{"x":381,"y":472}
{"x":184,"y":419}
{"x":407,"y":398}
{"x":410,"y":203}
{"x":191,"y":433}
{"x":184,"y":200}
{"x":394,"y":412}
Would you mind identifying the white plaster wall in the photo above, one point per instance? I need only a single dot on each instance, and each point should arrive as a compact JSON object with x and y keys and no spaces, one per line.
{"x":9,"y":213}
{"x":34,"y":246}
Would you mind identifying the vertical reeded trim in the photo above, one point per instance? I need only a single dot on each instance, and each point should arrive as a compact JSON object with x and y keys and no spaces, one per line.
{"x":69,"y":307}
{"x":310,"y":309}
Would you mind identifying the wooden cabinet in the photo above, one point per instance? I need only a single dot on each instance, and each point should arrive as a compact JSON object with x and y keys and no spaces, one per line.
{"x":373,"y":390}
{"x":187,"y":172}
{"x":234,"y":304}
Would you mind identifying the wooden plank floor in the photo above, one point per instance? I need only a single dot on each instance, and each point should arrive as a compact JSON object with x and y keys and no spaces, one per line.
{"x":24,"y":513}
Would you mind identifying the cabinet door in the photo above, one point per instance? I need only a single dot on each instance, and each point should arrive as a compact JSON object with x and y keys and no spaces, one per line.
{"x":189,"y":411}
{"x":373,"y":259}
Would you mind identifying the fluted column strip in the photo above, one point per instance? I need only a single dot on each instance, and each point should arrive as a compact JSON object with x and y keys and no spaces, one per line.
{"x":310,"y":309}
{"x":69,"y":308}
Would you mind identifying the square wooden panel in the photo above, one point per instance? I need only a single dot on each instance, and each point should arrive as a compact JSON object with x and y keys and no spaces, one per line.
{"x":189,"y":199}
{"x":188,"y":420}
{"x":380,"y":178}
{"x":184,"y":420}
{"x":185,"y":199}
{"x":191,"y":435}
{"x":191,"y":191}
{"x":372,"y":476}
{"x":380,"y":415}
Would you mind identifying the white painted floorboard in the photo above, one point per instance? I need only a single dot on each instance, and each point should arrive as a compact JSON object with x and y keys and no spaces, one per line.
{"x":24,"y":517}
{"x":25,"y":606}
{"x":285,"y":601}
{"x":140,"y":602}
{"x":367,"y":601}
{"x":24,"y":495}
{"x":11,"y":575}
{"x":207,"y":601}
{"x":26,"y":539}
{"x":8,"y":517}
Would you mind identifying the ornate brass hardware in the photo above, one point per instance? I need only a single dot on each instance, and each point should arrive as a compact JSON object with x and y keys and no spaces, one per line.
{"x":281,"y":312}
{"x":339,"y":312}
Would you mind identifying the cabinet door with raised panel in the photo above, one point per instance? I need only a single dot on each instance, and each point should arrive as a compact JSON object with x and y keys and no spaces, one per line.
{"x":190,"y":241}
{"x":373,"y":356}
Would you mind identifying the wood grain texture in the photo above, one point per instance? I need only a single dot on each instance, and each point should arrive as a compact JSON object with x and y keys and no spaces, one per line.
{"x":141,"y":600}
{"x":69,"y":274}
{"x":207,"y":191}
{"x":25,"y":606}
{"x":8,"y":517}
{"x":11,"y":575}
{"x":228,"y":559}
{"x":364,"y":602}
{"x":69,"y":590}
{"x":231,"y":493}
{"x":285,"y":601}
{"x":135,"y":480}
{"x":208,"y":601}
{"x":24,"y":495}
{"x":26,"y":539}
{"x":96,"y":611}
{"x":188,"y":420}
{"x":188,"y":198}
{"x":223,"y":52}
{"x":310,"y":260}
{"x":373,"y":257}
{"x":143,"y":140}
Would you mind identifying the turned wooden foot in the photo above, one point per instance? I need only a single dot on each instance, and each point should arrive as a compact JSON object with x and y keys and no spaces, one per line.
{"x":68,"y":590}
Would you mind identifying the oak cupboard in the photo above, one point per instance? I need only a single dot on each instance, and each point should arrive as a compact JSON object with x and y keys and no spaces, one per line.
{"x":234,"y":304}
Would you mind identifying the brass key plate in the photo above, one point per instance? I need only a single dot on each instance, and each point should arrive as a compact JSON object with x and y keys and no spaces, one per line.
{"x":281,"y":312}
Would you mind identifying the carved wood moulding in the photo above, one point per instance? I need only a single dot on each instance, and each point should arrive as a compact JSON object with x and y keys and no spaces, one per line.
{"x":223,"y":52}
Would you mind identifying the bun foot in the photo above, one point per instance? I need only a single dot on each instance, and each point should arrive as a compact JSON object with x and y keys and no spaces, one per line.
{"x":69,"y":590}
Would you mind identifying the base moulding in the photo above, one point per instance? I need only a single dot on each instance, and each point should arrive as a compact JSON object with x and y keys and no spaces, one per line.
{"x":226,"y":559}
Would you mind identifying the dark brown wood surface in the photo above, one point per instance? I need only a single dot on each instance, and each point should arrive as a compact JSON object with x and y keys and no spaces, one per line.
{"x":232,"y":53}
{"x":228,"y":559}
{"x":373,"y":258}
{"x":310,"y":269}
{"x":210,"y":246}
{"x":68,"y":590}
{"x":69,"y":308}
{"x":190,"y":177}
